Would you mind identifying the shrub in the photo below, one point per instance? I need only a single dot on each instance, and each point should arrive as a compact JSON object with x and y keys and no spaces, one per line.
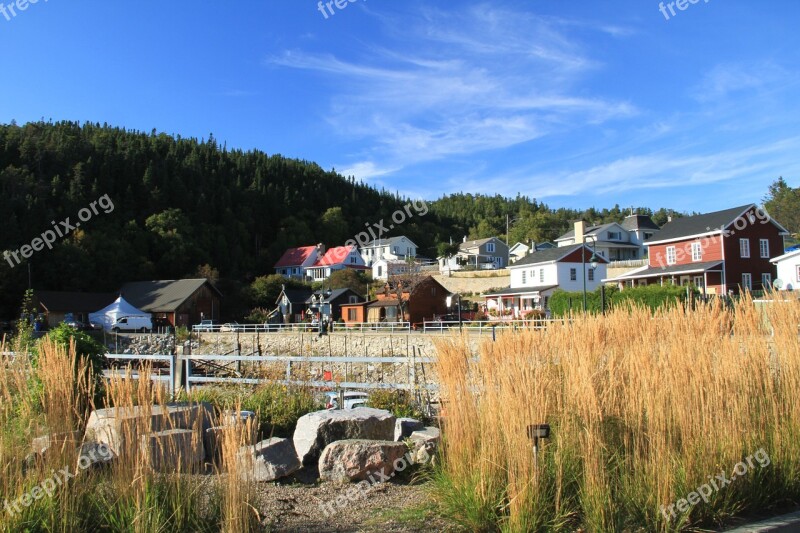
{"x":398,"y":402}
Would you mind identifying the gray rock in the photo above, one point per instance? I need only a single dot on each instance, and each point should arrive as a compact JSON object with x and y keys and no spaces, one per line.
{"x":356,"y":460}
{"x":268,"y":460}
{"x":120,"y":427}
{"x":40,"y":445}
{"x":94,"y":455}
{"x":173,"y":450}
{"x":425,"y":444}
{"x":404,"y":427}
{"x":316,"y":430}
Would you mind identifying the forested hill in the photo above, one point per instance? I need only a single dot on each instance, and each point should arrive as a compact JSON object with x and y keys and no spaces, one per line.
{"x":182,"y":203}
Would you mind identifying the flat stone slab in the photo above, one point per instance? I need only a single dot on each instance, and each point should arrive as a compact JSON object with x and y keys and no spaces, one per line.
{"x":357,"y":460}
{"x":120,"y":427}
{"x":268,"y":460}
{"x":317,"y":430}
{"x":173,"y":450}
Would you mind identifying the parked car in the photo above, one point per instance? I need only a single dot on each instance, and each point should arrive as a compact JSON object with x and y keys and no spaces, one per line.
{"x":94,"y":325}
{"x":132,"y":323}
{"x":75,"y":324}
{"x":352,"y":399}
{"x":206,"y":325}
{"x":231,"y":326}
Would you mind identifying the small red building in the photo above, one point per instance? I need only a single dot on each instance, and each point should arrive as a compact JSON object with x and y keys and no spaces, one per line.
{"x":721,"y":252}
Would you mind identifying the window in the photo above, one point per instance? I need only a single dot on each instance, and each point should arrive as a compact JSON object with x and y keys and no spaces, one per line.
{"x":648,"y":234}
{"x":614,"y":236}
{"x":697,"y":251}
{"x":541,"y":275}
{"x":763,"y":246}
{"x":670,"y":255}
{"x":490,"y":247}
{"x":766,"y":281}
{"x":747,"y":280}
{"x":591,"y":274}
{"x":380,"y":271}
{"x":352,"y":260}
{"x":698,"y":282}
{"x":744,"y":247}
{"x":352,"y":315}
{"x":524,"y":277}
{"x":433,"y":291}
{"x":573,"y":274}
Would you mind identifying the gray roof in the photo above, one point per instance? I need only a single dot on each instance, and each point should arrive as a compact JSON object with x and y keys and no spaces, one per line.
{"x":162,"y":296}
{"x":295,"y":296}
{"x":475,"y":243}
{"x":634,"y":222}
{"x":681,"y":228}
{"x":76,"y":302}
{"x":657,"y":271}
{"x":549,"y":255}
{"x":335,"y":294}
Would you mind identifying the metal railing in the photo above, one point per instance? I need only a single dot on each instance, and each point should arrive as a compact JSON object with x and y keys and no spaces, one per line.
{"x":487,"y":326}
{"x":306,"y":327}
{"x":155,"y":373}
{"x":410,"y":382}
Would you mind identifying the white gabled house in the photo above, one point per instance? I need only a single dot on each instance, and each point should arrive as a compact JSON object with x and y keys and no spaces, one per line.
{"x":337,"y":258}
{"x":788,"y":271}
{"x":535,"y":277}
{"x":390,"y":248}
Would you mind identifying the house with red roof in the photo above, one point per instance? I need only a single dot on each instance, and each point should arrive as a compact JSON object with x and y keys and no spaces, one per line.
{"x":337,"y":258}
{"x":294,"y":261}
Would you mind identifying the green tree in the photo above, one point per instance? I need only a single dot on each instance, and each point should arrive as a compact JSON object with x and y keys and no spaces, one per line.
{"x":333,"y":226}
{"x":783,"y":205}
{"x":349,"y":279}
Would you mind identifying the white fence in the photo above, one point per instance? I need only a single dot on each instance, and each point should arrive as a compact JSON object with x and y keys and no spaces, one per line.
{"x":156,"y":374}
{"x":302,"y":327}
{"x":487,"y":326}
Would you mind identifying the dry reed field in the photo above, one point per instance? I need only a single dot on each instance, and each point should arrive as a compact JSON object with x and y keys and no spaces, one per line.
{"x":59,"y":491}
{"x":652,"y":417}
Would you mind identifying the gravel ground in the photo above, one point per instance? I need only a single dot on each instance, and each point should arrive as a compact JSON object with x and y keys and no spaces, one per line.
{"x":388,"y":507}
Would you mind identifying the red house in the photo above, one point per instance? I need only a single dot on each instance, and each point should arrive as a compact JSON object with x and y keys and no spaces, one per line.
{"x":721,"y":252}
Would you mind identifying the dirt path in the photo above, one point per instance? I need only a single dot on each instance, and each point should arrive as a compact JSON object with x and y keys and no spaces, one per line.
{"x":387,"y":507}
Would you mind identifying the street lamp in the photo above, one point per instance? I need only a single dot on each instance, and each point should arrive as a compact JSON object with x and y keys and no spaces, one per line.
{"x":536,"y":432}
{"x":593,"y":261}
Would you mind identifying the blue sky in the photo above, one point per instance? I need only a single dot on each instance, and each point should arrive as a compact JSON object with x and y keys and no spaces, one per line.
{"x":578,"y":104}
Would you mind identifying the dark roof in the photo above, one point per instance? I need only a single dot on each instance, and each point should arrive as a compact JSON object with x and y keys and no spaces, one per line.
{"x":335,"y":294}
{"x":295,"y":296}
{"x":520,"y":290}
{"x":163,"y":296}
{"x":476,"y":243}
{"x":654,"y":272}
{"x":384,"y":303}
{"x":634,"y":222}
{"x":698,"y":224}
{"x":549,"y":254}
{"x":74,"y":302}
{"x":388,"y":241}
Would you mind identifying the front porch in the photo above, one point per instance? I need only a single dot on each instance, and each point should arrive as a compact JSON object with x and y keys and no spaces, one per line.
{"x":515,"y":304}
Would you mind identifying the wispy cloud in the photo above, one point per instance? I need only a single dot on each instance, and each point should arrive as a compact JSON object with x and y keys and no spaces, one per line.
{"x":467,"y":81}
{"x":725,"y":80}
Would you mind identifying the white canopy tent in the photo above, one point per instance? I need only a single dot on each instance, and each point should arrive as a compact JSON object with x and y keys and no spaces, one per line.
{"x":118,"y":309}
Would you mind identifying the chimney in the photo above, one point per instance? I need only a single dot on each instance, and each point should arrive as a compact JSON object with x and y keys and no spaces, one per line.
{"x":669,"y":218}
{"x":580,"y":228}
{"x":465,"y":238}
{"x":532,"y":247}
{"x":320,"y":249}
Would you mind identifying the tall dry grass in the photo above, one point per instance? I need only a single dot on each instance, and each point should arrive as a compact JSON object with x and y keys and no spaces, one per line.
{"x":52,"y":394}
{"x":643,"y":408}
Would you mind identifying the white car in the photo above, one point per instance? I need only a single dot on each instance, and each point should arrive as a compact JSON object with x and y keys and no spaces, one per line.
{"x":352,"y":399}
{"x":132,"y":323}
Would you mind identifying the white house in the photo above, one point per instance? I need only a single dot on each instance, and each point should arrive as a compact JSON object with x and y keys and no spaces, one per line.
{"x":480,"y":254}
{"x":535,"y":277}
{"x":390,"y":248}
{"x":788,"y":270}
{"x":384,"y":269}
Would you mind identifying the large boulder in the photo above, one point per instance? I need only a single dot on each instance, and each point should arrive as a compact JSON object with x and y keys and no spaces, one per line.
{"x":425,"y":444}
{"x":404,"y":427}
{"x":316,"y":430}
{"x":356,"y":460}
{"x":268,"y":460}
{"x":229,"y":421}
{"x":120,"y":427}
{"x":173,"y":450}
